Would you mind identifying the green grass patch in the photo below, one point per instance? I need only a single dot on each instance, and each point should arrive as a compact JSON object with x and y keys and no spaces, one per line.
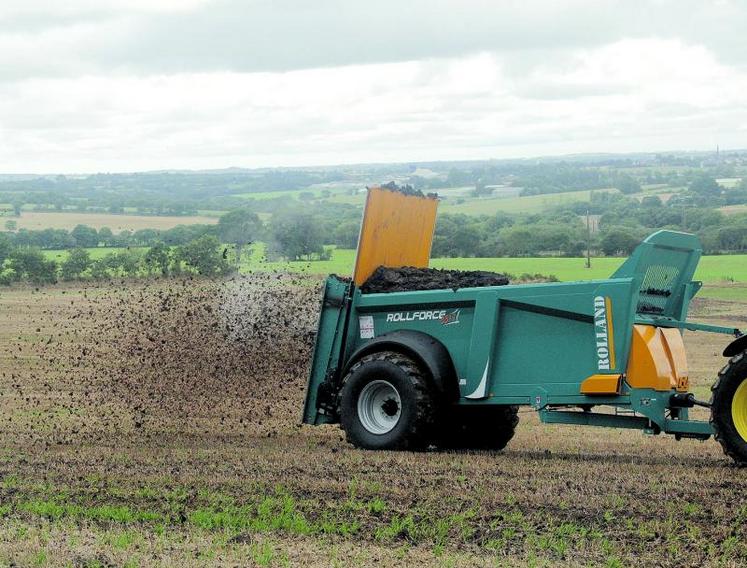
{"x":722,"y":273}
{"x":715,"y":270}
{"x":274,"y":513}
{"x":97,"y":252}
{"x":278,"y":512}
{"x":294,"y":193}
{"x":455,"y":199}
{"x":68,"y":219}
{"x":120,"y":540}
{"x":525,"y":204}
{"x":550,"y":536}
{"x":726,"y":292}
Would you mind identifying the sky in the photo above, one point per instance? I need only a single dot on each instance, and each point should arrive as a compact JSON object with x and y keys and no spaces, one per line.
{"x":132,"y":85}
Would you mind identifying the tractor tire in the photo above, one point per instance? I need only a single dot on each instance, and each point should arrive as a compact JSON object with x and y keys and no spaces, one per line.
{"x":479,"y":427}
{"x":729,"y":408}
{"x":387,"y":403}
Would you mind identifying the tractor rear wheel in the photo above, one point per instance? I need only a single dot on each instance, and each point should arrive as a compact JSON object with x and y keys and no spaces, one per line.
{"x":479,"y":427}
{"x":729,"y":408}
{"x":387,"y":403}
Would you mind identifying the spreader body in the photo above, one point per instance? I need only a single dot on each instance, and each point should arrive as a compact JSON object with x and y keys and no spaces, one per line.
{"x":599,"y":352}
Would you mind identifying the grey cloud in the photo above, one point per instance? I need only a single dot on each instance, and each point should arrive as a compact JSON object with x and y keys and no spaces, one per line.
{"x":102,"y":87}
{"x":550,"y":91}
{"x":281,"y":35}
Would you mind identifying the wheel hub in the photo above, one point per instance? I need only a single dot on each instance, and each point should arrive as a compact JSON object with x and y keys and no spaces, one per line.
{"x":739,"y":410}
{"x":379,"y":407}
{"x":390,"y":407}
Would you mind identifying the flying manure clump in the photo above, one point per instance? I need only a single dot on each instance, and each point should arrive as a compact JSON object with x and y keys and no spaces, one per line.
{"x":198,"y":357}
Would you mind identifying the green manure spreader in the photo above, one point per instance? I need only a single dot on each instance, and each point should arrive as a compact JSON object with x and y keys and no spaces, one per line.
{"x":408,"y":358}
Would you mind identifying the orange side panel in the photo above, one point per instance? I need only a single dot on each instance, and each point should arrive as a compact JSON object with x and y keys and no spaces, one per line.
{"x":397,"y":231}
{"x":601,"y":384}
{"x":677,"y":358}
{"x":657,"y":359}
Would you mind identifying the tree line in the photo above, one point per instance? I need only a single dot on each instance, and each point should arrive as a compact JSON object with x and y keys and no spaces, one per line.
{"x":619,"y":223}
{"x":186,"y":193}
{"x":305,"y":232}
{"x":84,"y":236}
{"x":154,"y":193}
{"x":564,"y":176}
{"x":204,"y":256}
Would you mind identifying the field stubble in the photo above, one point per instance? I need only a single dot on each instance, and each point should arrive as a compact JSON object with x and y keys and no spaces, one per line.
{"x":156,"y":422}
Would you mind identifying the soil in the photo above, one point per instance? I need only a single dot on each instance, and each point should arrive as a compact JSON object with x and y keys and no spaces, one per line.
{"x":408,"y":278}
{"x":178,"y":398}
{"x":144,"y":362}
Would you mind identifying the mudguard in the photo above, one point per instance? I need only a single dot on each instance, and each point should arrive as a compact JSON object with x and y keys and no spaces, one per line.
{"x":424,"y":349}
{"x":736,"y":346}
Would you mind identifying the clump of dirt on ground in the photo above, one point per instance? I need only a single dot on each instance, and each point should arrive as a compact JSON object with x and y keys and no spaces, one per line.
{"x":409,"y":278}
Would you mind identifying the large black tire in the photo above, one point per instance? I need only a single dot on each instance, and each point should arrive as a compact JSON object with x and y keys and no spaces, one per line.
{"x":416,"y":409}
{"x":725,"y":406}
{"x":479,"y":427}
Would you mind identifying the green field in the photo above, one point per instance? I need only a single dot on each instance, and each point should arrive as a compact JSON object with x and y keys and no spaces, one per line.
{"x":733,"y":209}
{"x":729,"y":268}
{"x":38,"y":220}
{"x":528,"y":204}
{"x":274,"y":194}
{"x":98,"y":252}
{"x":337,"y":195}
{"x":316,"y":191}
{"x":712,"y":269}
{"x":729,"y":182}
{"x":454,"y":200}
{"x":725,"y":276}
{"x":460,"y":200}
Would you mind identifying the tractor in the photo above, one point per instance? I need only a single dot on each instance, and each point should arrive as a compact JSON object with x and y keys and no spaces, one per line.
{"x":450,"y":368}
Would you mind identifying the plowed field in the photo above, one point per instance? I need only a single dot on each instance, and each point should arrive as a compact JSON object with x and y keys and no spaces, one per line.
{"x":157,"y":423}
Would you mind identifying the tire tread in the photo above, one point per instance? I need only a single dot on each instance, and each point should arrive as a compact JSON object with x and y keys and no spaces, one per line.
{"x":491,"y":429}
{"x":734,"y":371}
{"x":420,"y":428}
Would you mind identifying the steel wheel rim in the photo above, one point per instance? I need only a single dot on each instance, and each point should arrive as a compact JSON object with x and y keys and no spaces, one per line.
{"x":739,"y":410}
{"x":379,"y":407}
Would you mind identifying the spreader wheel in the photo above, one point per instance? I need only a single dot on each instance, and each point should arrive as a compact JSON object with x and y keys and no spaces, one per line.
{"x":386,"y":403}
{"x":729,"y":408}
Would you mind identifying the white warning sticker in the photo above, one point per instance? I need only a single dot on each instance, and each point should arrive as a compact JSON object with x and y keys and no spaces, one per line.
{"x":366,"y":325}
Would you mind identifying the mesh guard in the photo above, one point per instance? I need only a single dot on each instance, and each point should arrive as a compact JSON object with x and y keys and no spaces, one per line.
{"x":666,"y":263}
